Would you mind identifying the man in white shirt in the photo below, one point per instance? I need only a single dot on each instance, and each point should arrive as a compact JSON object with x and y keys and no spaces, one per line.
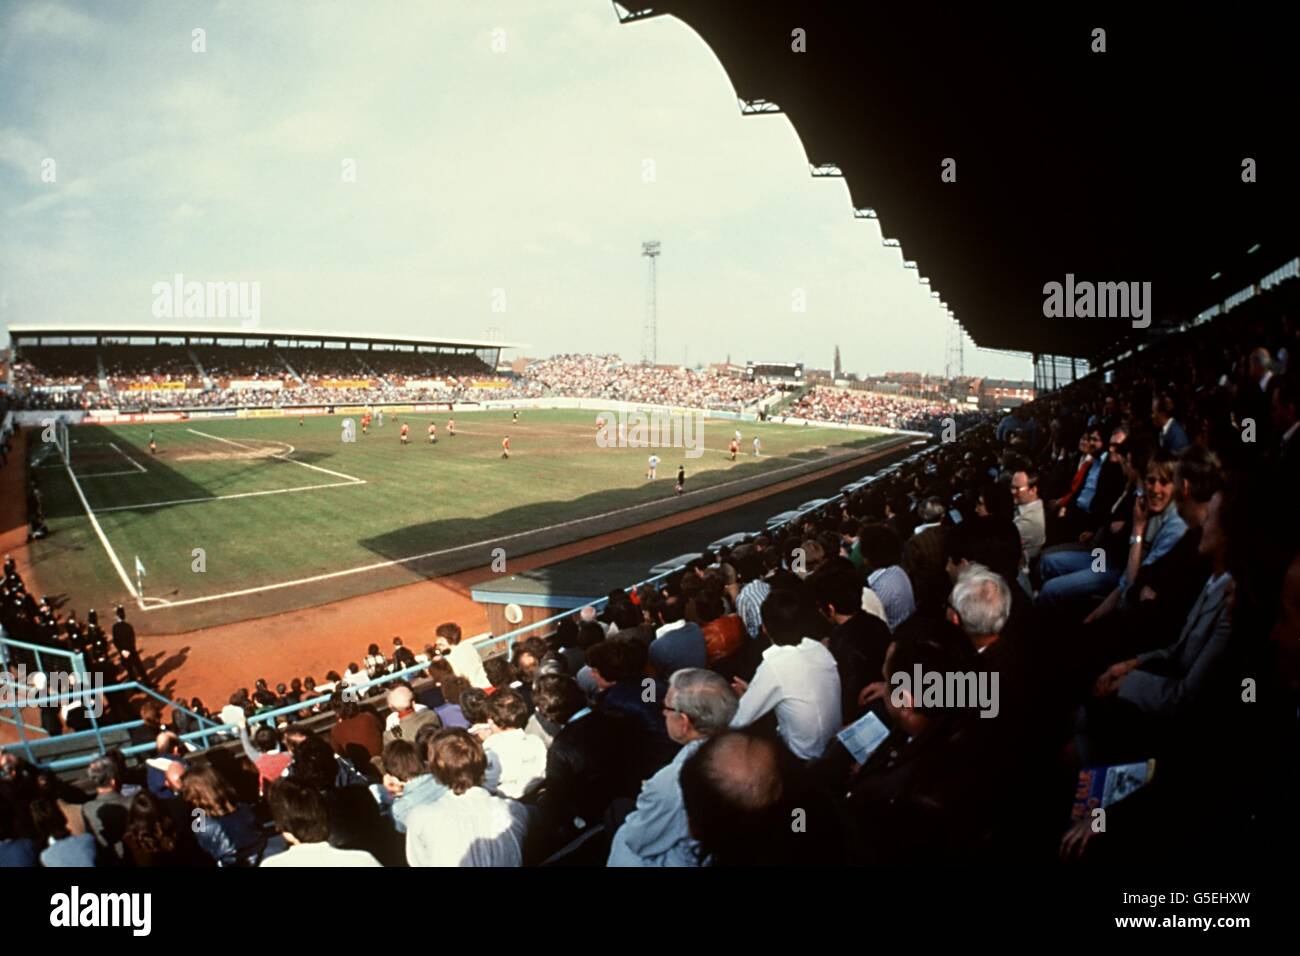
{"x":303,"y":821}
{"x":798,"y":678}
{"x":697,"y":705}
{"x":467,"y":826}
{"x":516,"y":760}
{"x":1030,"y":520}
{"x":463,"y":656}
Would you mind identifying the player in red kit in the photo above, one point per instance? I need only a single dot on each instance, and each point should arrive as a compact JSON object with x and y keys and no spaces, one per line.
{"x":505,"y":447}
{"x":365,"y":424}
{"x":406,"y":433}
{"x":734,"y":447}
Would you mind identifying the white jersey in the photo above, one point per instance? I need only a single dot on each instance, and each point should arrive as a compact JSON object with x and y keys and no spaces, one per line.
{"x":654,"y":461}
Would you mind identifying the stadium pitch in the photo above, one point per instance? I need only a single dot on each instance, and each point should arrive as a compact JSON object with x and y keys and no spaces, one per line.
{"x":238,"y":518}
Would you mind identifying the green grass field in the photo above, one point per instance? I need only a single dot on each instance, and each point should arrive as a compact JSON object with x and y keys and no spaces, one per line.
{"x":274,"y":504}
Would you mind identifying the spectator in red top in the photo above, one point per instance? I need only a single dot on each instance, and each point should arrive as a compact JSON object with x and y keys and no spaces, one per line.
{"x":358,"y":734}
{"x":724,"y":634}
{"x":268,"y":756}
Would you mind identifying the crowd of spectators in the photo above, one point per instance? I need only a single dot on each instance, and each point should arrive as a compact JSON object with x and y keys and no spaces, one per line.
{"x":1107,"y":576}
{"x":607,"y":376}
{"x":854,"y":407}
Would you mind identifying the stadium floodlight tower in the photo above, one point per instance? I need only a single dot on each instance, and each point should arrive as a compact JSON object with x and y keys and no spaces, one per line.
{"x":649,"y":332}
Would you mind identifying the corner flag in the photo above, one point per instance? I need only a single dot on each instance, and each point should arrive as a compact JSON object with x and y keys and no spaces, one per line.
{"x":139,"y":568}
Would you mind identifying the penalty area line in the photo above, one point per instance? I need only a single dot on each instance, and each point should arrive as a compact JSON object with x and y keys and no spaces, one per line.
{"x":283,"y":456}
{"x":380,"y":565}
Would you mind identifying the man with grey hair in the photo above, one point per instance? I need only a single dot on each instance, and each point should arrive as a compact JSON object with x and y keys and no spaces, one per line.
{"x":105,"y":816}
{"x":980,"y":605}
{"x":931,"y":512}
{"x":697,"y":705}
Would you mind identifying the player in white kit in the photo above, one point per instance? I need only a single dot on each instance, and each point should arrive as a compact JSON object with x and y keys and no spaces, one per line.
{"x":654,"y":467}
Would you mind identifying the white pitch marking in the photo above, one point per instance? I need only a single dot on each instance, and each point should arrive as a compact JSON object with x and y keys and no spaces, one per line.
{"x":107,"y":474}
{"x":379,"y":565}
{"x":242,"y":494}
{"x":103,"y":539}
{"x":135,"y":464}
{"x":282,"y":457}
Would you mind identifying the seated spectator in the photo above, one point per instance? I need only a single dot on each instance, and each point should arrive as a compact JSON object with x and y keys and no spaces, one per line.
{"x":798,"y":678}
{"x":468,"y":826}
{"x":406,"y":716}
{"x":618,"y":673}
{"x":408,"y":780}
{"x":473,"y":705}
{"x":225,"y":829}
{"x":591,"y":761}
{"x":463,"y":656}
{"x":303,"y":821}
{"x":516,"y":760}
{"x":375,"y":663}
{"x":161,"y":834}
{"x":1137,"y":699}
{"x":444,"y":696}
{"x":697,"y":705}
{"x":16,"y":848}
{"x":61,"y":847}
{"x":858,"y":641}
{"x":922,"y":787}
{"x":1157,"y":528}
{"x":354,"y":816}
{"x":881,"y":554}
{"x":1030,"y":519}
{"x":402,"y":656}
{"x":356,"y":734}
{"x":167,"y":750}
{"x":678,"y":642}
{"x":724,"y":634}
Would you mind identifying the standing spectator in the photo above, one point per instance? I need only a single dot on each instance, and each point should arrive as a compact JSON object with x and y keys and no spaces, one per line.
{"x":125,"y":642}
{"x":105,"y":816}
{"x":697,"y":705}
{"x":267,"y":754}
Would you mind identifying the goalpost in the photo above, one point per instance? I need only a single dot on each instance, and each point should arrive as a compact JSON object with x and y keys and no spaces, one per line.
{"x":62,"y":442}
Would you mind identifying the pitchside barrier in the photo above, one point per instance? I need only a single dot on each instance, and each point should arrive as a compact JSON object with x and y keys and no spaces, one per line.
{"x":56,"y":661}
{"x":211,"y":732}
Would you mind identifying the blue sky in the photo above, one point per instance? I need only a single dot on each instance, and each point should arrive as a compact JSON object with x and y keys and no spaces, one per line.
{"x":526,"y":146}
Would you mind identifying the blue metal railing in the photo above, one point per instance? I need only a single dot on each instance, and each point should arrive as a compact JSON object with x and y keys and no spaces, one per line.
{"x":231,"y":731}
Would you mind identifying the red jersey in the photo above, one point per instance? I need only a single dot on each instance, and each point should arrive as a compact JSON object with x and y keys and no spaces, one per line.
{"x":405,"y":429}
{"x":505,"y":443}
